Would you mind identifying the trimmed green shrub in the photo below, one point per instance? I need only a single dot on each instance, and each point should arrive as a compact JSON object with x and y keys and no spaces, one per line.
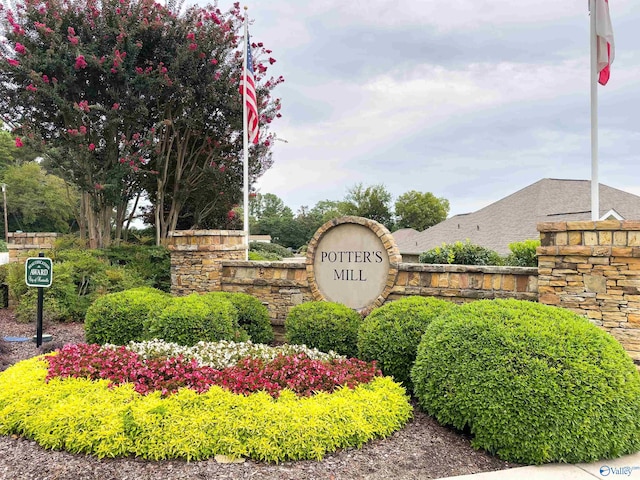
{"x":264,"y":257}
{"x":533,"y":383}
{"x":93,"y":417}
{"x":253,"y":317}
{"x":191,"y":319}
{"x":121,"y":317}
{"x":325,"y":326}
{"x":523,"y":254}
{"x":391,"y":333}
{"x":282,"y":252}
{"x":459,"y":253}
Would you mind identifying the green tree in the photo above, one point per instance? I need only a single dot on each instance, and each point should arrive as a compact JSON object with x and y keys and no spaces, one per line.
{"x":420,"y":210}
{"x":127,"y":96}
{"x":38,"y":201}
{"x":326,"y":210}
{"x":372,"y":202}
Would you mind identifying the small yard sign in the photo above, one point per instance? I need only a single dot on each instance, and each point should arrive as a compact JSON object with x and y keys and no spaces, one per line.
{"x":38,"y":272}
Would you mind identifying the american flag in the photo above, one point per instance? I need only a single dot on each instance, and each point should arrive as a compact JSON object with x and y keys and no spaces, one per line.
{"x":252,"y":104}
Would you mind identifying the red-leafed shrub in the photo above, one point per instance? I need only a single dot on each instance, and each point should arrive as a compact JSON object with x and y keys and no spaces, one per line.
{"x":298,"y":373}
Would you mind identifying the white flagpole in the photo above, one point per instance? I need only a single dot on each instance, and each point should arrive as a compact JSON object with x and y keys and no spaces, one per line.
{"x":595,"y":193}
{"x":245,"y":137}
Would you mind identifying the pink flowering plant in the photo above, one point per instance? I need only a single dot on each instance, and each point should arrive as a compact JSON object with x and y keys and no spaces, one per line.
{"x":138,"y":98}
{"x":297,"y":372}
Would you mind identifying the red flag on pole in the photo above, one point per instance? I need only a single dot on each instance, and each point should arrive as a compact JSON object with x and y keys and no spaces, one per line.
{"x":604,"y":33}
{"x":248,"y":80}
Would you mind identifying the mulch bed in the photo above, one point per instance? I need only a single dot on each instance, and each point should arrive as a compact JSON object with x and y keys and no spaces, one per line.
{"x":422,"y":450}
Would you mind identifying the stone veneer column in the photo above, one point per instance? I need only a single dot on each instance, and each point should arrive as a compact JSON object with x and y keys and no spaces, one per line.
{"x":197,"y":256}
{"x":21,"y":243}
{"x":593,"y":268}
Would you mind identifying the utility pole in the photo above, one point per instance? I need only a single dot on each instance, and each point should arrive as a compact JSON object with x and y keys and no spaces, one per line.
{"x":4,"y":203}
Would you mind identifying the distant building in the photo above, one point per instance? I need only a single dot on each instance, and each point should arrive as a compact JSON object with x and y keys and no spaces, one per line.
{"x":514,"y":218}
{"x":260,"y":238}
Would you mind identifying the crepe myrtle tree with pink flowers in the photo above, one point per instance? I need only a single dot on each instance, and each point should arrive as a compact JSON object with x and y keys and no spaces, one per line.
{"x":128,"y":97}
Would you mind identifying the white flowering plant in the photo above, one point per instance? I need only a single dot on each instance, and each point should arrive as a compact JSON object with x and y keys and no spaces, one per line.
{"x":222,"y":354}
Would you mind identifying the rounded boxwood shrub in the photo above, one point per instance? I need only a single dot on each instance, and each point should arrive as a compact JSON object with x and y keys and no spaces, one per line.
{"x":533,"y":383}
{"x":325,"y":326}
{"x":121,"y":317}
{"x":391,"y":333}
{"x":253,"y":317}
{"x":194,"y":318}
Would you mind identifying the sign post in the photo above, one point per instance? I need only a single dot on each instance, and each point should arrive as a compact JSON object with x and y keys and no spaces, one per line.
{"x":38,"y":272}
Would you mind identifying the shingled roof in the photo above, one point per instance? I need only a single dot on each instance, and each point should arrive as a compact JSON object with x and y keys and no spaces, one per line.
{"x":514,"y":218}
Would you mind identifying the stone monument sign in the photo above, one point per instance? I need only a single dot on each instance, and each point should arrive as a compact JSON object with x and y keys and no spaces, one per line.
{"x":353,"y":261}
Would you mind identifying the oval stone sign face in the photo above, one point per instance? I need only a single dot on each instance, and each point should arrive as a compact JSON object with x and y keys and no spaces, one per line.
{"x":353,"y":261}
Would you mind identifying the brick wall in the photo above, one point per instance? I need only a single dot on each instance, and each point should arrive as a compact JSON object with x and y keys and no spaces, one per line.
{"x":281,"y":285}
{"x":21,"y":243}
{"x":593,"y":268}
{"x":196,"y":257}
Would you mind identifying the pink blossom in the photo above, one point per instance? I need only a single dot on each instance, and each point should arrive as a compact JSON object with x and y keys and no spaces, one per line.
{"x":32,"y":88}
{"x":71,"y":31}
{"x":72,"y":131}
{"x":20,"y":48}
{"x":272,"y":60}
{"x":45,"y":78}
{"x":83,"y":105}
{"x":216,"y":76}
{"x":80,"y":62}
{"x":73,"y":40}
{"x":191,"y":36}
{"x":12,"y":62}
{"x":83,"y":130}
{"x":193,"y":46}
{"x":19,"y":143}
{"x":115,"y":106}
{"x":92,"y":147}
{"x":214,"y":61}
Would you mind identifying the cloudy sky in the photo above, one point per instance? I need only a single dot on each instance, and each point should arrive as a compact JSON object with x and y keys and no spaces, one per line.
{"x":468,"y":99}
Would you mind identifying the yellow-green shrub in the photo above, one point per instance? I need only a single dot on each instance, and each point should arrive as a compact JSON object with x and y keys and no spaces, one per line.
{"x":81,"y":416}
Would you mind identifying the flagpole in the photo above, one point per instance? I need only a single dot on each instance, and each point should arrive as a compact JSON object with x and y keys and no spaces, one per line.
{"x":595,"y":193}
{"x":245,"y":138}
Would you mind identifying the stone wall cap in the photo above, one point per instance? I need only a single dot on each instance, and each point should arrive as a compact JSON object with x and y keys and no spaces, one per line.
{"x":444,"y":268}
{"x":263,"y":264}
{"x":207,"y":233}
{"x":206,"y":248}
{"x":588,"y":225}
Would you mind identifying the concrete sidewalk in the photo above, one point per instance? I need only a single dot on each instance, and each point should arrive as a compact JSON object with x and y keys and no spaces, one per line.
{"x":619,"y":468}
